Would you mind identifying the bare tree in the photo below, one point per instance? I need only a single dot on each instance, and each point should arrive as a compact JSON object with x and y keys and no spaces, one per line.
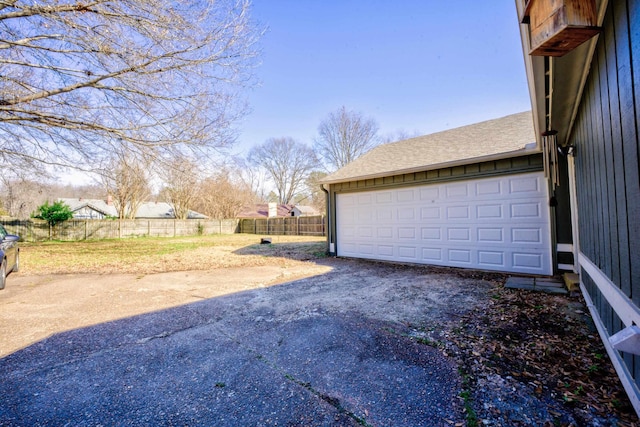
{"x":343,"y":136}
{"x":21,"y":192}
{"x":254,"y":178}
{"x":317,"y":197}
{"x":126,"y":180}
{"x":223,"y":195}
{"x":82,"y":78}
{"x":181,"y":178}
{"x":287,"y":162}
{"x":20,"y":196}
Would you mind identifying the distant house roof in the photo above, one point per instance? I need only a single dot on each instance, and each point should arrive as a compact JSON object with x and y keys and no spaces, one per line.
{"x":499,"y":138}
{"x":162,"y":210}
{"x":261,"y":210}
{"x":306,"y":210}
{"x":146,"y":210}
{"x":98,"y":205}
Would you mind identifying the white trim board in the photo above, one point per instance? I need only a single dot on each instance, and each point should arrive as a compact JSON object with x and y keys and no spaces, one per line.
{"x":628,"y":312}
{"x":564,"y":247}
{"x":623,"y":373}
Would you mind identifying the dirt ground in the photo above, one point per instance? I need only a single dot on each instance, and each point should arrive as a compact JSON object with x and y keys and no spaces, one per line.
{"x":527,"y":359}
{"x":35,"y":307}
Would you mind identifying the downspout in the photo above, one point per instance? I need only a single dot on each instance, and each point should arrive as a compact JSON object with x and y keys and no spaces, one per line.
{"x":330,"y":243}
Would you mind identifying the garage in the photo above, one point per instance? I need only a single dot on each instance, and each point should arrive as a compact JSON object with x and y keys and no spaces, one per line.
{"x":497,"y":223}
{"x":476,"y":197}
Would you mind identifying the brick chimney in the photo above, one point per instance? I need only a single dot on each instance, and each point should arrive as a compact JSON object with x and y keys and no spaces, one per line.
{"x":109,"y":200}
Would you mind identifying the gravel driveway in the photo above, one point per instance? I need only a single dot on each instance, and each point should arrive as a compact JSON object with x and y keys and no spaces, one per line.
{"x":335,"y":342}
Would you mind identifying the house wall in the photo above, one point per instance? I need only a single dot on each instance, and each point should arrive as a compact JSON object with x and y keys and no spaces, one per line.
{"x":605,"y":134}
{"x":88,"y":213}
{"x":528,"y":163}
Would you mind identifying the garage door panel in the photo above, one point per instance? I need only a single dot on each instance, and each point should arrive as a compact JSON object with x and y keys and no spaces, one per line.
{"x":460,"y":256}
{"x":406,"y":214}
{"x":526,"y":236}
{"x":458,"y":212}
{"x":432,"y":255}
{"x":408,"y":253}
{"x":405,"y":196}
{"x":491,"y":259}
{"x":430,"y":213}
{"x":429,"y":194}
{"x":526,"y":210}
{"x":366,"y":249}
{"x":407,"y":233}
{"x":384,"y":197}
{"x":489,"y":187}
{"x":384,"y":214}
{"x":527,"y":261}
{"x":431,"y":234}
{"x":385,"y":233}
{"x":458,"y":234}
{"x":493,"y":211}
{"x":456,"y":191}
{"x":524,"y":185}
{"x":499,"y":223}
{"x":490,"y":235}
{"x":366,"y":232}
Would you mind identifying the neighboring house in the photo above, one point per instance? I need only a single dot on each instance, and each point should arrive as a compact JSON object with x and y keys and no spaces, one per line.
{"x":590,"y":99}
{"x":272,"y":210}
{"x":303,"y":210}
{"x":90,"y":208}
{"x":101,"y":209}
{"x":473,"y":197}
{"x":151,"y":210}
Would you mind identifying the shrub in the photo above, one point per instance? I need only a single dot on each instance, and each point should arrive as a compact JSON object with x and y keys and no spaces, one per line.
{"x":54,"y":213}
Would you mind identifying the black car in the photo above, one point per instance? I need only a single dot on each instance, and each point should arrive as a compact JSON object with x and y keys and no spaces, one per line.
{"x":10,"y":254}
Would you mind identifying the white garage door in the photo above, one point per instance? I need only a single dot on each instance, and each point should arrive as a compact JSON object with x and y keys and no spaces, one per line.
{"x":499,"y":223}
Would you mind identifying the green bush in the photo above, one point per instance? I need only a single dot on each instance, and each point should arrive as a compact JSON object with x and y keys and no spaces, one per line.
{"x":54,"y":213}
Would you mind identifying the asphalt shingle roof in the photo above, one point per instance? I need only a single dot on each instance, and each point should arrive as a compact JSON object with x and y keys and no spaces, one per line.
{"x":504,"y":137}
{"x":146,"y":210}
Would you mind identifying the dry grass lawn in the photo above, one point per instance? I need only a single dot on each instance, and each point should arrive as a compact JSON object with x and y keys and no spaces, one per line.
{"x":156,"y":255}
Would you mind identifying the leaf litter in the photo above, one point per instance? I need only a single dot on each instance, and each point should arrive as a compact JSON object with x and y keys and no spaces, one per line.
{"x":531,"y":358}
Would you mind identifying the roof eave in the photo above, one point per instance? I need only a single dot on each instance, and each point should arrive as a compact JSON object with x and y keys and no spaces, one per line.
{"x":454,"y":163}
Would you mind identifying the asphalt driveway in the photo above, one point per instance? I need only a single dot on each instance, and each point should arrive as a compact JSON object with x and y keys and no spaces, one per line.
{"x":345,"y":347}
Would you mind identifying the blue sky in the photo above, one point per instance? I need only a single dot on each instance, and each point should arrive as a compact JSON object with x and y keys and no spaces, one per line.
{"x":413,"y":65}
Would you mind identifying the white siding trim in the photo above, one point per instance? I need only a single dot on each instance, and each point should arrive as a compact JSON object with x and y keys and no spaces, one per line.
{"x":621,"y":304}
{"x":574,"y":210}
{"x":623,"y":373}
{"x":565,"y":247}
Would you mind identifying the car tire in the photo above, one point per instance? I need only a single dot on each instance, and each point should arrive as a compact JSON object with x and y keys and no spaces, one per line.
{"x":16,"y":266}
{"x":3,"y":273}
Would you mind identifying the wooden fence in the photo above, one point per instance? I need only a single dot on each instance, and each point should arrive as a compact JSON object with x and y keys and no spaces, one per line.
{"x":34,"y":230}
{"x":291,"y":225}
